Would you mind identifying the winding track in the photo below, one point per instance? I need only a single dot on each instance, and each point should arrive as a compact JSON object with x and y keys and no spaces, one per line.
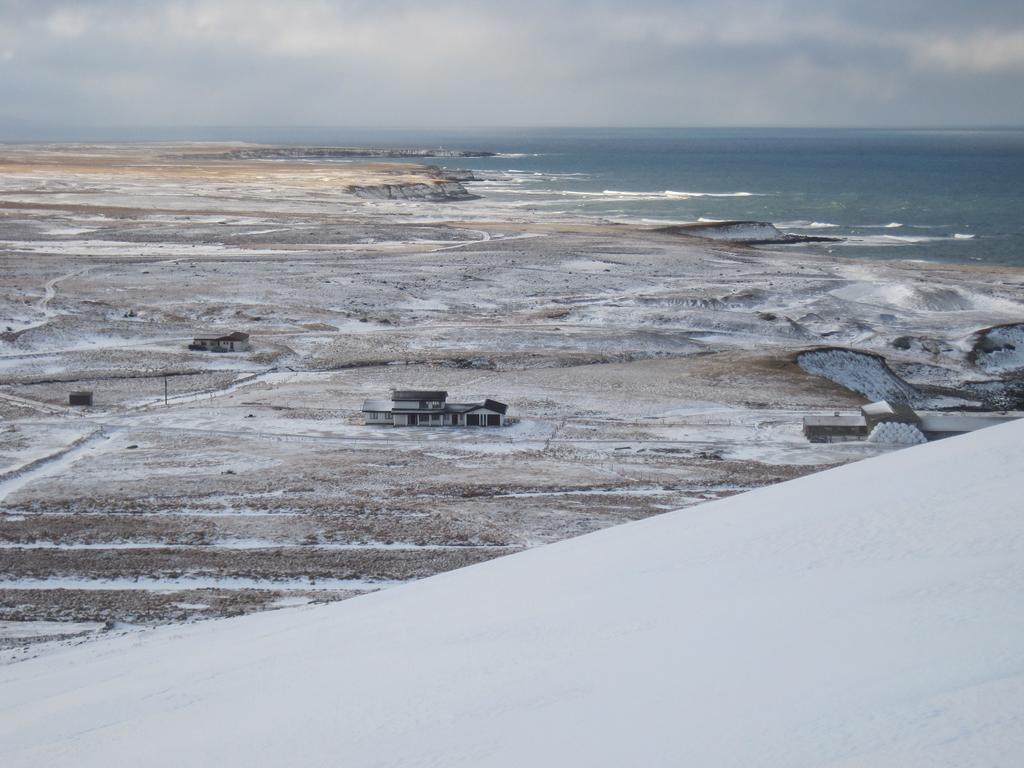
{"x":57,"y":461}
{"x":50,"y":293}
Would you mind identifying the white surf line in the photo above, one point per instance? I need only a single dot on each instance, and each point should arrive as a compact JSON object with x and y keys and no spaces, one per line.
{"x":183,"y":583}
{"x":48,"y":465}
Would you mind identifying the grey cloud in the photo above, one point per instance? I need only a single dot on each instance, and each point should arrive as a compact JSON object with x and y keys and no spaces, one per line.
{"x":449,"y":63}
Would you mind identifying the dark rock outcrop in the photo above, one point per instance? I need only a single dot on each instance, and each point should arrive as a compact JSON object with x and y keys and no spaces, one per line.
{"x":749,"y":232}
{"x":439,"y":191}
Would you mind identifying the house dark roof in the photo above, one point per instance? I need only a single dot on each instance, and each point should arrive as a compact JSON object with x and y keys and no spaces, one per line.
{"x":220,"y":336}
{"x":418,"y":394}
{"x":491,"y":405}
{"x":460,"y":407}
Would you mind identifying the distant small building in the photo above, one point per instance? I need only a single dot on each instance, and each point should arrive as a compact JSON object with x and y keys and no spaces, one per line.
{"x":236,"y":341}
{"x":934,"y":426}
{"x":836,"y":428}
{"x":430,"y":408}
{"x":80,"y":399}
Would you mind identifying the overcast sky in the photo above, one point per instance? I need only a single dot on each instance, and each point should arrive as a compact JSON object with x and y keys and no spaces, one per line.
{"x":447,"y":63}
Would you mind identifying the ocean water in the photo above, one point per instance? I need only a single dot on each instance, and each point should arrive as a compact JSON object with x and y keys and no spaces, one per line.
{"x":942,"y":195}
{"x":938,"y":195}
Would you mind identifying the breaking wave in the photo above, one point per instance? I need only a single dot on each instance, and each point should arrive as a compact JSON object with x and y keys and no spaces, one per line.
{"x":806,"y":225}
{"x":897,"y":240}
{"x":668,"y":194}
{"x":673,"y":193}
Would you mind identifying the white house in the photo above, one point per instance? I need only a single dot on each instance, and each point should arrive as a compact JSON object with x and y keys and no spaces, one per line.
{"x":430,"y":408}
{"x":212,"y":341}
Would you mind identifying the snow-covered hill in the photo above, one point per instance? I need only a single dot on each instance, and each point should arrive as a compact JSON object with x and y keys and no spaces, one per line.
{"x":872,"y":615}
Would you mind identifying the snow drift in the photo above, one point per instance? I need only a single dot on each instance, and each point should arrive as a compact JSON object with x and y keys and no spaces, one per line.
{"x":1000,"y":349}
{"x":868,"y":615}
{"x":863,"y":372}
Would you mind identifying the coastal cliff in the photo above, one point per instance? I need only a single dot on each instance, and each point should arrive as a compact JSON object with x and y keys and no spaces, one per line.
{"x":430,"y":184}
{"x":368,"y":180}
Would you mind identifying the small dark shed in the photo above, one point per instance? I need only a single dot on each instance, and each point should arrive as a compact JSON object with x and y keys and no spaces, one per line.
{"x":830,"y":429}
{"x":80,"y":398}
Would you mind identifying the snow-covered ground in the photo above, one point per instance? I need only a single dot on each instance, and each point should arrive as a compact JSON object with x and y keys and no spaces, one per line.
{"x":646,"y":370}
{"x":867,"y":615}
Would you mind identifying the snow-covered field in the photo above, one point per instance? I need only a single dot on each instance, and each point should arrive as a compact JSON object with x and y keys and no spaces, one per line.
{"x":867,"y":615}
{"x":647,"y":371}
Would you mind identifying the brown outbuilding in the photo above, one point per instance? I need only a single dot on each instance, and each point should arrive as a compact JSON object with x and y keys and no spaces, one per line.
{"x":212,"y":341}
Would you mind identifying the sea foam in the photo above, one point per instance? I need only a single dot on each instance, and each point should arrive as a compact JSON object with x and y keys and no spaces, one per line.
{"x":806,"y":225}
{"x":673,"y":193}
{"x":667,"y":194}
